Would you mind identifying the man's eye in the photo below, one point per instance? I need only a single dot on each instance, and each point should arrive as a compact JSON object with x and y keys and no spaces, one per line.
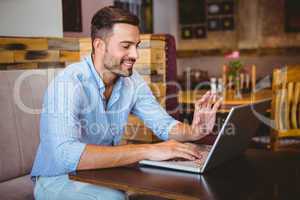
{"x":126,"y":46}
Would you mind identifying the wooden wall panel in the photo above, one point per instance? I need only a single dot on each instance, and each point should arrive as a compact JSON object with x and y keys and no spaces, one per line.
{"x":65,"y":44}
{"x":6,"y":57}
{"x":37,"y":44}
{"x":31,"y":53}
{"x":36,"y":56}
{"x":69,"y":56}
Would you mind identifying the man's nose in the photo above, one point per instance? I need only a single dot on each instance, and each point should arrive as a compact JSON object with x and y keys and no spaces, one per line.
{"x":134,"y":53}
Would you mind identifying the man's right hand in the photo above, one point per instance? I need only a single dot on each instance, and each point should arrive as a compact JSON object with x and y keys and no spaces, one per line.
{"x":173,"y":149}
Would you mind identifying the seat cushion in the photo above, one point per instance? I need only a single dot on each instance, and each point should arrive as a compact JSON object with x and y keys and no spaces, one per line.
{"x":21,"y":94}
{"x":17,"y":189}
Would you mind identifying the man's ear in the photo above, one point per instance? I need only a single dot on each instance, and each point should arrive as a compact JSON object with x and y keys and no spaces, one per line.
{"x":99,"y":45}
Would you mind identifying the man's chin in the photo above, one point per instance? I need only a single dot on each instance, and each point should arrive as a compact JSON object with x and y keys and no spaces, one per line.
{"x":124,"y":73}
{"x":129,"y":73}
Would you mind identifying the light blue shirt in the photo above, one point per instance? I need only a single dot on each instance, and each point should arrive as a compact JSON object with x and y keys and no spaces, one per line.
{"x":75,"y":114}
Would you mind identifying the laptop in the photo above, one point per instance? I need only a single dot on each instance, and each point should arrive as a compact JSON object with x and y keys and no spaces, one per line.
{"x":232,"y":140}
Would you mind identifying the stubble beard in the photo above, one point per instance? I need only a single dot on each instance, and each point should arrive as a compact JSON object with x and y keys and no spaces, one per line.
{"x":116,"y":69}
{"x":115,"y":66}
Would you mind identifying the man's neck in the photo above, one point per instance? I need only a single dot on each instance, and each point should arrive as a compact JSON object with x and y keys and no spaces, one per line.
{"x":109,"y":79}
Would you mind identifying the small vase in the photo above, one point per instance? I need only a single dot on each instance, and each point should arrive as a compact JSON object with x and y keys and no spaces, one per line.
{"x":237,"y":89}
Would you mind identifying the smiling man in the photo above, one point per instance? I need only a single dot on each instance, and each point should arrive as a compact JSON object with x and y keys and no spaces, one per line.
{"x":86,"y":108}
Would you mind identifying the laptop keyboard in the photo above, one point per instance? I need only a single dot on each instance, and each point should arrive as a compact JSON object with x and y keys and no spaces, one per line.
{"x":181,"y":164}
{"x":188,"y":163}
{"x":193,"y":163}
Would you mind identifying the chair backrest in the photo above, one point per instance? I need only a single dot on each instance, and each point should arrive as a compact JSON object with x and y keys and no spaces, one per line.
{"x":171,"y":76}
{"x":21,"y":94}
{"x":286,"y":102}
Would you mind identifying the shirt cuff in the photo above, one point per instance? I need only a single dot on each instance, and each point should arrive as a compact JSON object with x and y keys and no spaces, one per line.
{"x":73,"y":156}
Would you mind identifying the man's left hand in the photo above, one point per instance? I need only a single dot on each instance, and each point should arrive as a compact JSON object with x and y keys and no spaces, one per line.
{"x":205,"y":115}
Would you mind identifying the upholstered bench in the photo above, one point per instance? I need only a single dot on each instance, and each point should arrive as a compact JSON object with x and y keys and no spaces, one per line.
{"x":21,"y":93}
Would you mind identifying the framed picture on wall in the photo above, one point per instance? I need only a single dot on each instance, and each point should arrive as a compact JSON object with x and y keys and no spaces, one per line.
{"x":227,"y":8}
{"x":187,"y":33}
{"x":72,"y":16}
{"x":292,"y":16}
{"x":143,"y":9}
{"x":214,"y":8}
{"x":192,"y":19}
{"x":191,"y":12}
{"x":227,"y":23}
{"x":200,"y":31}
{"x":214,"y":24}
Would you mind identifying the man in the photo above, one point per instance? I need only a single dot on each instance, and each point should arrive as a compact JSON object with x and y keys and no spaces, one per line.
{"x":86,"y":108}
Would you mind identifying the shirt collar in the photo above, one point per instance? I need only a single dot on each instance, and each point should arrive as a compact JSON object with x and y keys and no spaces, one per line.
{"x":119,"y":84}
{"x":95,"y":74}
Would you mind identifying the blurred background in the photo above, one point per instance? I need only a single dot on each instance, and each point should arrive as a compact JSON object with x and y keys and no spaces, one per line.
{"x":264,"y":32}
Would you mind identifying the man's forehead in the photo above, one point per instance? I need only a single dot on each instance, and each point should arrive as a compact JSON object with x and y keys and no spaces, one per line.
{"x":126,"y":32}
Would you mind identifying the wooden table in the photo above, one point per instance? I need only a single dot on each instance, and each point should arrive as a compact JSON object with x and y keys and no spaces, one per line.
{"x":189,"y":97}
{"x":258,"y":174}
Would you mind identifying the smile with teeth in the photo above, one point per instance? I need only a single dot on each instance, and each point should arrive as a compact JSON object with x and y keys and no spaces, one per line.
{"x":127,"y":63}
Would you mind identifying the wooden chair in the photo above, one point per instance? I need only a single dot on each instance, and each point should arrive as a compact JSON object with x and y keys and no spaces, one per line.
{"x":286,"y":107}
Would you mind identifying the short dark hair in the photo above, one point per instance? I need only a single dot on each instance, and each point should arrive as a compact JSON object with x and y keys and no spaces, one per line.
{"x":103,"y":20}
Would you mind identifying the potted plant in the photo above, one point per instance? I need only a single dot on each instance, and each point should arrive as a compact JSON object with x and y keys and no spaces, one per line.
{"x":235,"y":66}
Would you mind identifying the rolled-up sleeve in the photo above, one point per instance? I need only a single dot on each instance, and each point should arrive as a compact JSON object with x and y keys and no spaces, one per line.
{"x":148,"y":109}
{"x":60,"y":126}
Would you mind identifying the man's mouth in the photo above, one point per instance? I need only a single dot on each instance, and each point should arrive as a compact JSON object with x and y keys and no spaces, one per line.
{"x":128,"y":63}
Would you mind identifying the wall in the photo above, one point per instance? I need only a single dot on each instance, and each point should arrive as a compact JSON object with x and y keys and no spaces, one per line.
{"x":272,"y":26}
{"x":161,"y":18}
{"x":166,"y":21}
{"x":31,"y":18}
{"x":165,"y":16}
{"x":259,"y":23}
{"x":260,"y":27}
{"x":89,"y":8}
